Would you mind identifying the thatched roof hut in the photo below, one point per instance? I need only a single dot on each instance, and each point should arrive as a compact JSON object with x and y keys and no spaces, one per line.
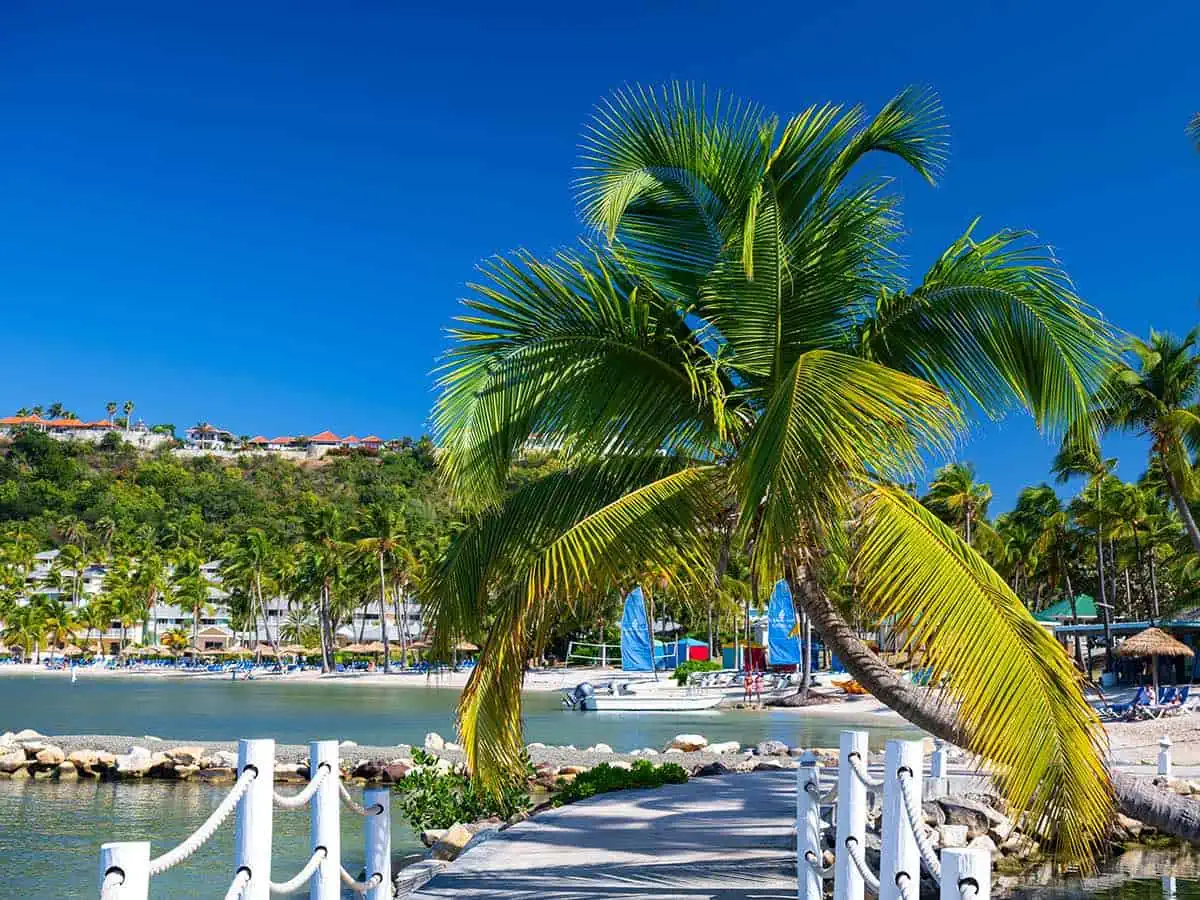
{"x":1153,"y":643}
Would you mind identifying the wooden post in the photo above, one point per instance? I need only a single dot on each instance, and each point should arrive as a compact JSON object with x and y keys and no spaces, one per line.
{"x":326,"y":826}
{"x":961,"y":868}
{"x":252,"y":833}
{"x":1165,"y":768}
{"x":898,"y":852}
{"x":130,"y":861}
{"x":377,"y":833}
{"x":808,"y":827}
{"x":851,"y":817}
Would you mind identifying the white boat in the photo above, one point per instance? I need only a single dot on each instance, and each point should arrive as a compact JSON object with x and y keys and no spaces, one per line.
{"x":638,"y":696}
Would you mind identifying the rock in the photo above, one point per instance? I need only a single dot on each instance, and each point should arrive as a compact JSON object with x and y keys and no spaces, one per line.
{"x":953,"y":836}
{"x":434,"y":741}
{"x":599,"y":748}
{"x":152,"y":738}
{"x":517,"y":818}
{"x":43,"y":775}
{"x":774,"y":764}
{"x":224,"y":759}
{"x":105,"y":760}
{"x":688,"y":743}
{"x":453,"y":747}
{"x":536,"y":745}
{"x":136,"y":763}
{"x":565,"y":778}
{"x":431,"y":836}
{"x":1020,"y":845}
{"x":975,"y":816}
{"x":34,"y":747}
{"x":217,"y":775}
{"x":186,"y":756}
{"x":161,"y":765}
{"x":933,"y":813}
{"x":709,"y":769}
{"x":673,"y":750}
{"x":345,"y":745}
{"x":452,"y":843}
{"x":83,"y":759}
{"x":573,"y":770}
{"x":13,"y":761}
{"x":649,"y":751}
{"x":723,"y":747}
{"x":185,"y":772}
{"x":620,"y":764}
{"x":983,"y":842}
{"x":370,"y":769}
{"x":1132,"y":826}
{"x":26,"y":734}
{"x":771,"y":748}
{"x":19,"y":774}
{"x":396,"y":771}
{"x":67,"y":770}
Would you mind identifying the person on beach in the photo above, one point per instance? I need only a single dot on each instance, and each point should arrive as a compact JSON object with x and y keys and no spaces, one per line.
{"x":747,"y":686}
{"x":758,"y":685}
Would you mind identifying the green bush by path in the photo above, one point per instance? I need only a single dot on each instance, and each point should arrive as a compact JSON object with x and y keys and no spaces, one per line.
{"x":605,"y":778}
{"x":432,"y":799}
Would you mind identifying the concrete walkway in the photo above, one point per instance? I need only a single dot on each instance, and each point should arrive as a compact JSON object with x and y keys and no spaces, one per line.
{"x":720,"y":838}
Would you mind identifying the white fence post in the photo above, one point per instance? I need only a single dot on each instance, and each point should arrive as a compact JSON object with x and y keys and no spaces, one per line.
{"x":961,"y":868}
{"x":851,"y":817}
{"x":252,"y":834}
{"x":1164,"y":757}
{"x":898,"y":851}
{"x":808,"y":828}
{"x":377,"y":832}
{"x":128,"y":861}
{"x":326,"y":821}
{"x":937,"y":762}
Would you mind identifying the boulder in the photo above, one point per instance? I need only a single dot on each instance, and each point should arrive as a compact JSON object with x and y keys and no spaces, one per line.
{"x":710,"y":769}
{"x":774,"y":764}
{"x":975,"y":816}
{"x":983,"y":842}
{"x":431,"y":836}
{"x":536,"y":745}
{"x":688,"y":743}
{"x":83,"y":759}
{"x":933,"y":813}
{"x":573,"y":770}
{"x":434,"y":741}
{"x":217,"y":775}
{"x":771,"y":748}
{"x":186,"y":756}
{"x":723,"y":747}
{"x":43,"y":774}
{"x":105,"y":760}
{"x":1021,"y":846}
{"x":183,"y":773}
{"x":67,"y":770}
{"x":369,"y":769}
{"x":620,"y":764}
{"x":224,"y":759}
{"x":673,"y":750}
{"x":19,"y":774}
{"x":1132,"y":827}
{"x":13,"y":761}
{"x":453,"y":747}
{"x":953,"y":836}
{"x":26,"y":734}
{"x":396,"y":771}
{"x":452,"y":843}
{"x":345,"y":745}
{"x":599,"y":748}
{"x":49,"y":755}
{"x":136,"y":763}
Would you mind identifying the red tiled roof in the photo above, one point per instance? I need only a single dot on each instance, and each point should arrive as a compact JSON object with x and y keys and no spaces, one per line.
{"x":350,"y":440}
{"x":65,"y":423}
{"x":283,"y":440}
{"x":13,"y":420}
{"x":325,"y":437}
{"x":259,"y":440}
{"x":372,"y":439}
{"x":99,"y":423}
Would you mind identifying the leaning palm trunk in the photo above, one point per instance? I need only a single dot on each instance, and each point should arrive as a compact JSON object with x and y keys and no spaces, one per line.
{"x":383,"y":629}
{"x":1181,"y":506}
{"x":1166,"y":811}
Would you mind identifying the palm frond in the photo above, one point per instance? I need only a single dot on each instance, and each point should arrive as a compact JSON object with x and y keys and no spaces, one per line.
{"x":1019,"y":698}
{"x":996,"y":323}
{"x":833,"y":421}
{"x":579,"y":354}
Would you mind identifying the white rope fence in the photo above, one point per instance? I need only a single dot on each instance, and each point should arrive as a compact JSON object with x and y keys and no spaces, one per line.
{"x":126,"y":867}
{"x":904,"y":841}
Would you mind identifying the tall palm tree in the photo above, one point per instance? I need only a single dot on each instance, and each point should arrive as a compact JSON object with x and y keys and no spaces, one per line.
{"x":957,"y":498}
{"x":58,"y":620}
{"x":743,"y":338}
{"x":127,"y":408}
{"x":1159,"y":395}
{"x":322,"y":571}
{"x":111,"y":408}
{"x":381,"y":535}
{"x":55,"y":411}
{"x":25,"y":627}
{"x":246,"y":564}
{"x":190,"y":588}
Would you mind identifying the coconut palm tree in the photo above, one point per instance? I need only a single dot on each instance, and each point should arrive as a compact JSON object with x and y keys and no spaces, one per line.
{"x":25,"y":627}
{"x":381,"y":535}
{"x":246,"y":564}
{"x":127,"y":408}
{"x":58,"y":620}
{"x":111,"y":408}
{"x":956,"y":498}
{"x":1159,"y":395}
{"x":742,"y":337}
{"x":190,"y":588}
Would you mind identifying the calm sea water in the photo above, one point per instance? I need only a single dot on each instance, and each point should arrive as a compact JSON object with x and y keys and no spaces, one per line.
{"x":50,"y":833}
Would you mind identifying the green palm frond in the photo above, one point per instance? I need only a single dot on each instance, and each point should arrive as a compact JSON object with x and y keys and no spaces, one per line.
{"x":1019,"y":699}
{"x":996,"y":322}
{"x":560,"y":541}
{"x":549,"y":347}
{"x":835,"y":420}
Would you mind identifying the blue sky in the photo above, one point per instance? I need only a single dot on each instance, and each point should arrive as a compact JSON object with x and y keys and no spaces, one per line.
{"x":263,"y":214}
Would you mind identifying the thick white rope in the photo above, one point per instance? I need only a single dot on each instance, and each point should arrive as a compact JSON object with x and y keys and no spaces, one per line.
{"x":964,"y":886}
{"x":294,"y":883}
{"x":112,"y":881}
{"x":201,"y":835}
{"x":905,"y":883}
{"x":813,"y":788}
{"x":373,"y":810}
{"x":821,"y":871}
{"x":238,"y":885}
{"x":295,"y":801}
{"x":928,"y":857}
{"x":856,"y":766}
{"x":856,"y":857}
{"x":360,"y":887}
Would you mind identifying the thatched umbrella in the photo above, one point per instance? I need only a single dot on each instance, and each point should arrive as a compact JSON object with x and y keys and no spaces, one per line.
{"x":1154,"y":642}
{"x":465,"y":647}
{"x":72,"y":650}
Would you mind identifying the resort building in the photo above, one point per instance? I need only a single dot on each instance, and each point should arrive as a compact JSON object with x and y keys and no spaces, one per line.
{"x":209,"y":437}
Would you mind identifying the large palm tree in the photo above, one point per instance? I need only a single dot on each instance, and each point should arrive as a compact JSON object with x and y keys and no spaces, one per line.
{"x":957,"y":498}
{"x":380,"y":535}
{"x":743,"y":339}
{"x":246,"y":564}
{"x":1159,"y":395}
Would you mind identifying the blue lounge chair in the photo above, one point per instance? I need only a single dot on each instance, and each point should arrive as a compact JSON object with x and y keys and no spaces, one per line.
{"x":1168,"y":696}
{"x":1128,"y":710}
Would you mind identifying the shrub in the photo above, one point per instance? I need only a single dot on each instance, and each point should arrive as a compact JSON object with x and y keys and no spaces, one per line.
{"x":605,"y":778}
{"x":433,"y":799}
{"x":694,"y":665}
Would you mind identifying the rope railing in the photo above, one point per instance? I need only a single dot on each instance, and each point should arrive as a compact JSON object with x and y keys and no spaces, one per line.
{"x":200,"y":836}
{"x":237,"y":887}
{"x":854,"y":851}
{"x":904,"y":883}
{"x":294,"y":883}
{"x":126,"y":867}
{"x":860,"y":770}
{"x":350,"y":803}
{"x":360,"y":887}
{"x":913,"y":815}
{"x":300,"y":799}
{"x":825,"y":872}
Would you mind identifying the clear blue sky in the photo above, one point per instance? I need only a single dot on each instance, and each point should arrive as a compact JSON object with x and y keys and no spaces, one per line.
{"x":262,"y":214}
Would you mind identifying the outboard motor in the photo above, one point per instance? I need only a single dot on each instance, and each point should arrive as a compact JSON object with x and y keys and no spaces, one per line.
{"x":582,"y":696}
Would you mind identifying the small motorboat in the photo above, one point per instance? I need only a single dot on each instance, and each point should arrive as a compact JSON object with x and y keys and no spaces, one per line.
{"x":624,"y":696}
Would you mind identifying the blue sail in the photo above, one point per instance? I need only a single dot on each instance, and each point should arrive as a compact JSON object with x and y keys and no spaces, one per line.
{"x":636,"y":655}
{"x":783,"y":649}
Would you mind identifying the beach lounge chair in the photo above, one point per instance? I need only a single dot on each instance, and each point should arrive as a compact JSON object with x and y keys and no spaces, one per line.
{"x":1167,"y":696}
{"x":1130,"y":710}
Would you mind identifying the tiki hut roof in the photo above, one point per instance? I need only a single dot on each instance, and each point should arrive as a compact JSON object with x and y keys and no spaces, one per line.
{"x":1153,"y":642}
{"x":369,"y":647}
{"x":465,"y":647}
